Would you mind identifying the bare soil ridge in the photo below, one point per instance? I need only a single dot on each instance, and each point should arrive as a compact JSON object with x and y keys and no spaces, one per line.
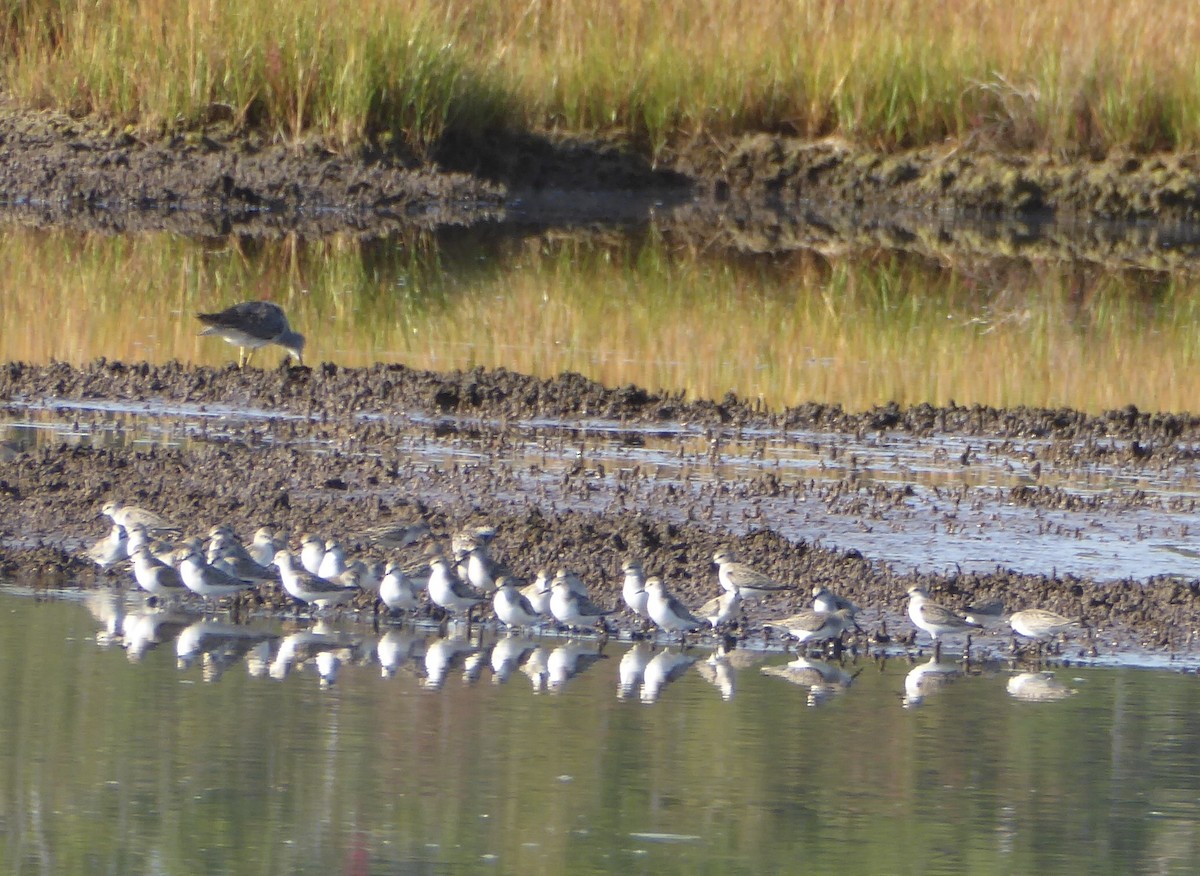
{"x":73,"y":171}
{"x":266,"y":471}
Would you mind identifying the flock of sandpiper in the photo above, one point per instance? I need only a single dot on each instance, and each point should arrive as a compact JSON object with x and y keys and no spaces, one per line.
{"x":321,"y":576}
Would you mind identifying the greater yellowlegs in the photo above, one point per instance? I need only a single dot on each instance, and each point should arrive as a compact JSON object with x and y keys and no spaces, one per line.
{"x":254,"y":324}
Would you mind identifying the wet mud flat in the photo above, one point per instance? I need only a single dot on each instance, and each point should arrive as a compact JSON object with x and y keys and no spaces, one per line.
{"x":559,"y":467}
{"x":752,"y":194}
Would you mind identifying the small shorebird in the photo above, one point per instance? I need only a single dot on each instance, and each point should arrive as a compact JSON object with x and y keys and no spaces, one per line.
{"x":721,"y":609}
{"x":155,"y":576}
{"x":312,"y":552}
{"x":396,"y":591}
{"x":539,"y":592}
{"x":512,"y":608}
{"x":112,"y":549}
{"x":1037,"y":623}
{"x":826,"y":601}
{"x":574,"y":582}
{"x":671,"y":615}
{"x":208,"y":582}
{"x":935,"y":619}
{"x":129,"y":515}
{"x":483,"y":572}
{"x":448,"y":590}
{"x":733,"y":575}
{"x":333,"y":563}
{"x":571,"y":609}
{"x":254,"y":324}
{"x":264,"y":546}
{"x":633,"y":589}
{"x":307,"y":587}
{"x":811,"y":627}
{"x":988,"y":614}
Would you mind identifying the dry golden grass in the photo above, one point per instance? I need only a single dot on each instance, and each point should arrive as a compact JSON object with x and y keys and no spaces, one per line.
{"x":859,"y":332}
{"x":1023,"y":73}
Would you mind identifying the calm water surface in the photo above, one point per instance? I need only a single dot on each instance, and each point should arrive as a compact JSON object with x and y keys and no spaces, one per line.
{"x":860,"y":327}
{"x":142,"y":743}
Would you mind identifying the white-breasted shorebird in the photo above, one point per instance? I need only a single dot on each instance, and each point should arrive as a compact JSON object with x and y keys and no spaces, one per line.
{"x":253,"y":324}
{"x":671,"y":615}
{"x":935,"y":619}
{"x":752,"y":583}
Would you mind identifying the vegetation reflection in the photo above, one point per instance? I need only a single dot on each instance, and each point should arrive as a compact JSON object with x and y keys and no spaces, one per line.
{"x":858,"y":330}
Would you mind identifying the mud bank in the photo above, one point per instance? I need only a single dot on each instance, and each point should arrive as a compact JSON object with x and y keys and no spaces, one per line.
{"x":342,"y":451}
{"x":756,"y":193}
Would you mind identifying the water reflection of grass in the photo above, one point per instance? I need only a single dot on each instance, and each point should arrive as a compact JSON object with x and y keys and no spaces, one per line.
{"x":857,"y":331}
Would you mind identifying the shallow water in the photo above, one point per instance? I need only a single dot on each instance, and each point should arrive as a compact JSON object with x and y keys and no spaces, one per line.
{"x":119,"y":757}
{"x":953,"y":516}
{"x":859,"y":327}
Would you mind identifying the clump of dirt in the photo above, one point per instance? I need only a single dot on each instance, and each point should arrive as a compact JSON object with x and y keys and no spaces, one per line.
{"x":326,"y":468}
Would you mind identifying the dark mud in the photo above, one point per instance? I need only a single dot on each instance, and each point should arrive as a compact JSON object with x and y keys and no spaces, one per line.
{"x":756,"y":194}
{"x":335,"y":451}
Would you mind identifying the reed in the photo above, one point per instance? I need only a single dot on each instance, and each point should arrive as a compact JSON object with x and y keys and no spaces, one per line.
{"x":859,"y":332}
{"x":887,"y":73}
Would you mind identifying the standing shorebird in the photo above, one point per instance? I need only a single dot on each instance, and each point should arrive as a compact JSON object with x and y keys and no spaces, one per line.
{"x":633,"y":589}
{"x":671,"y":615}
{"x":935,"y":619}
{"x":254,"y":324}
{"x":1039,"y":624}
{"x":751,"y":583}
{"x":512,"y":608}
{"x":813,"y":627}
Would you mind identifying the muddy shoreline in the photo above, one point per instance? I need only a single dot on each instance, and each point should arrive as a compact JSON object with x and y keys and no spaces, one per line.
{"x":334,"y":450}
{"x":756,"y":194}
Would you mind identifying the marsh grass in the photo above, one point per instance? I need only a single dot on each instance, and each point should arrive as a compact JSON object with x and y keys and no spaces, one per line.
{"x":888,"y":73}
{"x":858,"y":332}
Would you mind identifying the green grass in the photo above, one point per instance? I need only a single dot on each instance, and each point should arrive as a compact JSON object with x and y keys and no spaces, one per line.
{"x":1025,"y":74}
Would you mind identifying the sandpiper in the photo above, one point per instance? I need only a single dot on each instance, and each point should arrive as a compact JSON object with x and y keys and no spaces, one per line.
{"x":333,"y":563}
{"x":933,"y":618}
{"x":574,"y":582}
{"x":569,"y":608}
{"x":511,"y":607}
{"x":988,"y":613}
{"x":826,"y":601}
{"x":538,"y":593}
{"x":307,"y":587}
{"x":721,"y":609}
{"x":671,"y":615}
{"x":112,"y":549}
{"x":633,"y":589}
{"x":734,"y":575}
{"x":253,"y":324}
{"x":128,"y":515}
{"x":811,"y":627}
{"x":396,"y":591}
{"x":240,"y":565}
{"x":155,"y":576}
{"x":1037,"y":623}
{"x":207,"y":581}
{"x":312,"y":552}
{"x":264,"y":546}
{"x":448,"y":590}
{"x":482,"y":571}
